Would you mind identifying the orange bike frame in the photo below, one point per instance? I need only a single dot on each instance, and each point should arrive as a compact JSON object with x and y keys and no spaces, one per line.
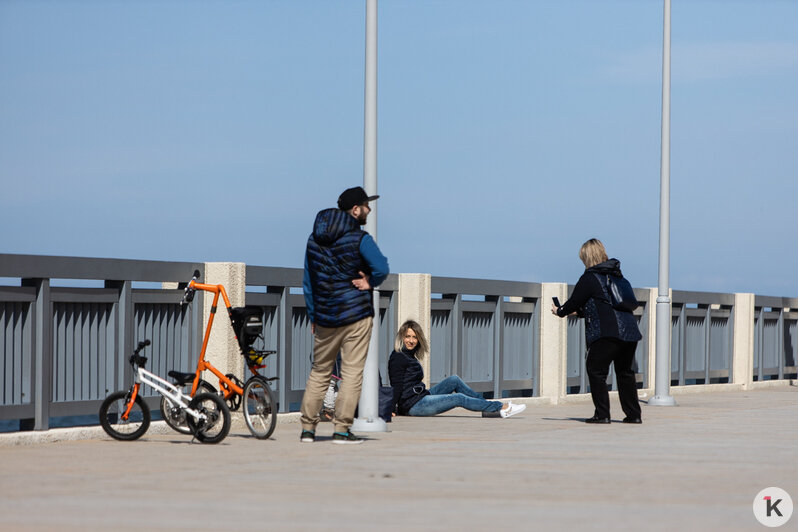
{"x":202,"y":364}
{"x":132,"y":401}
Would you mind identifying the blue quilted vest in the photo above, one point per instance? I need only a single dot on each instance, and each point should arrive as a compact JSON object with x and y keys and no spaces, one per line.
{"x":334,"y":260}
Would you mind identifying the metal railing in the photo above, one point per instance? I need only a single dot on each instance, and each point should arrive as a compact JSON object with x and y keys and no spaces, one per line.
{"x":64,"y":348}
{"x":486,"y":332}
{"x":287,"y":328}
{"x":64,"y":345}
{"x":701,"y":338}
{"x":775,"y":338}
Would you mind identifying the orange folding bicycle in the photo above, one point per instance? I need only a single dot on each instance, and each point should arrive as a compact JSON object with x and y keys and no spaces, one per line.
{"x":259,"y":407}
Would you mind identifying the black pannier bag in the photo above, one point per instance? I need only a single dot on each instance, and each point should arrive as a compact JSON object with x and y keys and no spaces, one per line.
{"x":247,"y":325}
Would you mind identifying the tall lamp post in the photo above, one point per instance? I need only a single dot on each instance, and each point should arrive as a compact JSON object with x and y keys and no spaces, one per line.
{"x":368,"y":407}
{"x":662,"y":395}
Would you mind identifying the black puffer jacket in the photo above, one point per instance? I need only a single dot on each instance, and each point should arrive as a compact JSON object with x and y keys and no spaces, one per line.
{"x":406,"y":376}
{"x":591,"y":301}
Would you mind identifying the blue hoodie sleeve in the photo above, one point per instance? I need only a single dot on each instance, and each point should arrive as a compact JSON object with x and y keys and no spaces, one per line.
{"x":375,"y":259}
{"x":307,"y":290}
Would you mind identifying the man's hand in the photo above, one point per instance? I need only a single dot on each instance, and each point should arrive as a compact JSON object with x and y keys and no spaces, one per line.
{"x":362,"y":283}
{"x":312,"y":328}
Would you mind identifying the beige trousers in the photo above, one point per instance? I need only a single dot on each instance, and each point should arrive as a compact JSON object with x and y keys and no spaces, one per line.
{"x":353,"y":342}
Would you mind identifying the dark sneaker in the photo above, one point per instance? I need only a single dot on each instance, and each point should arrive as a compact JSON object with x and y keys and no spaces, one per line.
{"x":307,"y":436}
{"x":346,"y":439}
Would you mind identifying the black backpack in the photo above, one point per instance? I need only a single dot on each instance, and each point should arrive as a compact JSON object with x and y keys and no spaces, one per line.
{"x":620,"y":294}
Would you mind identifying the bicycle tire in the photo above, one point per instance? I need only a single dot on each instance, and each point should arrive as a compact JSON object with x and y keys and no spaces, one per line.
{"x":137,"y":423}
{"x":176,"y":417}
{"x":217,"y":426}
{"x":259,"y":407}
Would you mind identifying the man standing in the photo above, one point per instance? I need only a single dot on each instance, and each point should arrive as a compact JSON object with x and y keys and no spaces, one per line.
{"x":342,"y":265}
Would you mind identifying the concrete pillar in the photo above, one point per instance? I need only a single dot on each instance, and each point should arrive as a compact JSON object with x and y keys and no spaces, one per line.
{"x":413,"y":303}
{"x":553,"y":344}
{"x":223,"y":349}
{"x":742,"y":364}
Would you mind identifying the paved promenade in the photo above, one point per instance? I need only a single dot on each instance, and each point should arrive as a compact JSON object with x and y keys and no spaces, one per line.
{"x":697,"y":466}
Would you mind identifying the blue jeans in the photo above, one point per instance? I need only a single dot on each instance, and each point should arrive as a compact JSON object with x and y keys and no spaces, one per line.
{"x":450,"y":393}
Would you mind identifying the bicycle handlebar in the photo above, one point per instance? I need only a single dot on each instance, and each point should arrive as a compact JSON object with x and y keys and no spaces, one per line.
{"x":137,"y":359}
{"x":188,"y":294}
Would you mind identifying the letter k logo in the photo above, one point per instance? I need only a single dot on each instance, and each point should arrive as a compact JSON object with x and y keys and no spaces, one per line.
{"x":772,"y":506}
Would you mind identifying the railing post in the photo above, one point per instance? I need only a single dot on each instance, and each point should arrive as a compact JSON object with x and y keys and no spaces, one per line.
{"x":780,"y":342}
{"x":223,"y":351}
{"x":743,"y":340}
{"x":456,"y":324}
{"x":707,"y":342}
{"x":681,"y":347}
{"x":553,"y":343}
{"x":498,"y":341}
{"x":43,"y":353}
{"x":651,"y":340}
{"x":413,"y":303}
{"x":285,"y":347}
{"x":124,"y":334}
{"x":759,"y":340}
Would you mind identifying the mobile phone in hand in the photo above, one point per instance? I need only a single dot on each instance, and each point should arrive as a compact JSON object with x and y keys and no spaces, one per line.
{"x":556,"y":301}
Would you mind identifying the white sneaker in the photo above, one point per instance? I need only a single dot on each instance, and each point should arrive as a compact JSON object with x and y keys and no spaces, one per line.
{"x":512,"y":410}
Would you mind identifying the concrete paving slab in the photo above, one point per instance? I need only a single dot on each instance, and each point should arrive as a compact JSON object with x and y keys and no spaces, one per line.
{"x":696,"y":466}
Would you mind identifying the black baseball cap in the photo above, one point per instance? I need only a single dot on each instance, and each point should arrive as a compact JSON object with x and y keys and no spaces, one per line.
{"x":353,"y":196}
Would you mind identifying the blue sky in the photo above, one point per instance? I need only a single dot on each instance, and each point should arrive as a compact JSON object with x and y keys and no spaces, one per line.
{"x":509,"y":133}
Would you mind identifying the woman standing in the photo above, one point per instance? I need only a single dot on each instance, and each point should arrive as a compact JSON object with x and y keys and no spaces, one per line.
{"x":410,"y":395}
{"x":611,"y":334}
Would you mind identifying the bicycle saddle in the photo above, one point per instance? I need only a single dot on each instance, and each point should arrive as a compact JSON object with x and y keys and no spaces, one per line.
{"x":182,"y":378}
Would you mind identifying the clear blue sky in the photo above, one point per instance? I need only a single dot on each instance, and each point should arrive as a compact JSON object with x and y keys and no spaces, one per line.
{"x":509,"y":133}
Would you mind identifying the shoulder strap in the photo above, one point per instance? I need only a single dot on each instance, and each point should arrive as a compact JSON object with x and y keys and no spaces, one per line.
{"x":605,"y":288}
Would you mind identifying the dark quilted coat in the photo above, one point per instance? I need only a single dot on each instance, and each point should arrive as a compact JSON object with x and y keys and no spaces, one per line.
{"x":334,"y":260}
{"x":591,"y":301}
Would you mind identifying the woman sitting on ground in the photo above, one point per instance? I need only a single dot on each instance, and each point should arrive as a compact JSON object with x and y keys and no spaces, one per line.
{"x":410,"y":395}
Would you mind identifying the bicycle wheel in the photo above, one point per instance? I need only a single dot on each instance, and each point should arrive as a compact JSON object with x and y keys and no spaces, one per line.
{"x":175,"y":415}
{"x":134,"y":426}
{"x":215,"y":427}
{"x":260,"y":410}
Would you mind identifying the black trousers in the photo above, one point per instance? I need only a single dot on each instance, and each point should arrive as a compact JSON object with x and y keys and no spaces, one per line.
{"x":602,"y":352}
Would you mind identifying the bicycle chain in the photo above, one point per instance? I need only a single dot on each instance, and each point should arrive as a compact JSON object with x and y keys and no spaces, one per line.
{"x":231,"y":397}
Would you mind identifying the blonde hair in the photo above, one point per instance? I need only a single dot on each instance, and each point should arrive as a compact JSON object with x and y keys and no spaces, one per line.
{"x":592,"y":253}
{"x":423,"y":346}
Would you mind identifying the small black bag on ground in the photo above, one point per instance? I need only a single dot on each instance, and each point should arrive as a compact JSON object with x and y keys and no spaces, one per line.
{"x":386,"y":403}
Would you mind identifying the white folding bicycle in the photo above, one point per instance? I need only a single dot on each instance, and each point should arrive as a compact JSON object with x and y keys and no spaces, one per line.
{"x":125,"y":416}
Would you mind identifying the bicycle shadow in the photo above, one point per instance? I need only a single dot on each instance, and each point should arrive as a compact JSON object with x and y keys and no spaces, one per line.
{"x":249,"y":436}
